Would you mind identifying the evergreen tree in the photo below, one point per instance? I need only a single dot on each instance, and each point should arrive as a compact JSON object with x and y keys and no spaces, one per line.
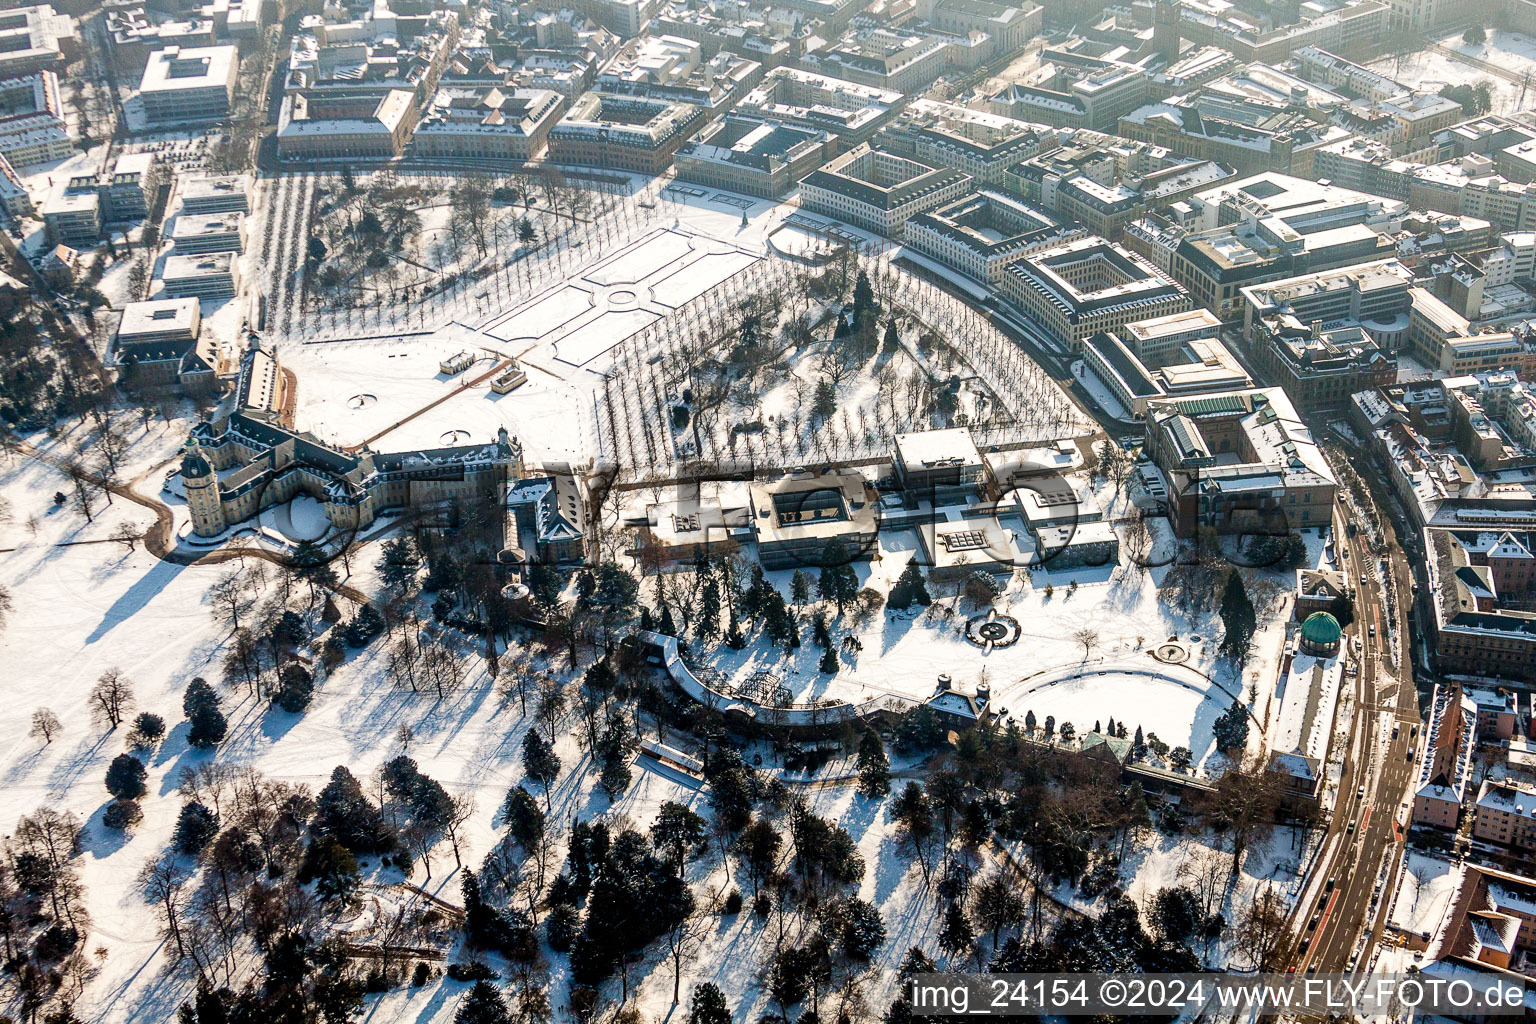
{"x":525,"y":821}
{"x":733,"y":637}
{"x":1237,"y":618}
{"x":829,"y":663}
{"x":874,"y":767}
{"x":485,"y":927}
{"x":678,"y":834}
{"x":540,"y":762}
{"x":196,"y":826}
{"x":201,"y":706}
{"x":910,"y":588}
{"x":483,"y":1005}
{"x":756,"y":593}
{"x":615,"y":588}
{"x":1343,"y":609}
{"x":708,"y":1006}
{"x":733,"y":788}
{"x":398,"y":564}
{"x":1029,"y":722}
{"x":343,"y":813}
{"x":821,"y":636}
{"x":544,"y":585}
{"x":862,"y":931}
{"x":838,"y":582}
{"x":333,"y":869}
{"x":708,"y":625}
{"x":863,"y":297}
{"x":125,"y":777}
{"x":799,"y":588}
{"x":824,"y":401}
{"x":892,"y":340}
{"x":615,"y":749}
{"x":295,"y":688}
{"x":957,"y":938}
{"x":1231,"y":728}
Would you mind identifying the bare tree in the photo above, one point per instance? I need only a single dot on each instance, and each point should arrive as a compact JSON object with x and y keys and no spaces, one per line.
{"x":443,"y":667}
{"x":45,"y":724}
{"x":162,"y":881}
{"x":111,"y":698}
{"x":551,"y":706}
{"x":126,"y":533}
{"x":1088,"y":639}
{"x":461,"y":809}
{"x":1204,"y":870}
{"x":684,"y":936}
{"x":208,"y":783}
{"x":1261,"y":929}
{"x":230,"y":598}
{"x":54,"y":837}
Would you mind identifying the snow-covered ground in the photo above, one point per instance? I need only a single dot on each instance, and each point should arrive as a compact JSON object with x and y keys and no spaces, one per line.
{"x":83,"y":608}
{"x":1424,"y":892}
{"x":1512,"y":51}
{"x":1047,"y":671}
{"x":1431,"y":70}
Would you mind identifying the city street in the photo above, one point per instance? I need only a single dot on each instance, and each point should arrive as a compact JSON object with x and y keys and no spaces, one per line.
{"x":1381,"y":763}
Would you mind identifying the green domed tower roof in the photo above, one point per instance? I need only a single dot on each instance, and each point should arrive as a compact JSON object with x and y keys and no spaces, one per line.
{"x":1321,"y":630}
{"x":194,"y":466}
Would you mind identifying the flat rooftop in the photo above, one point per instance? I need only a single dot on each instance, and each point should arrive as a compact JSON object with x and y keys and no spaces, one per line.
{"x":199,"y":67}
{"x":930,"y":449}
{"x":157,"y":317}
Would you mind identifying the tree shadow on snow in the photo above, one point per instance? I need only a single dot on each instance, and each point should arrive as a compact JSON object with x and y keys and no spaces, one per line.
{"x":100,"y":841}
{"x":133,"y":600}
{"x":68,"y":771}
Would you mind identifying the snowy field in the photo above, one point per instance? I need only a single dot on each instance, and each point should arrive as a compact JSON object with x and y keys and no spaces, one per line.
{"x":1431,"y":70}
{"x":86,"y":603}
{"x":1512,"y":51}
{"x":576,"y":323}
{"x":1424,"y":892}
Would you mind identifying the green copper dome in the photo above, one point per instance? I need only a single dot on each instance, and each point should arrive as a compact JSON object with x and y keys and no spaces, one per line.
{"x":194,"y":466}
{"x":1321,"y":630}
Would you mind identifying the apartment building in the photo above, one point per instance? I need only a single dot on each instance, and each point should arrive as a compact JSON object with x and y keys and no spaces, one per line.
{"x":189,"y":86}
{"x":1088,"y":286}
{"x":758,"y":158}
{"x":624,"y":132}
{"x":488,"y":122}
{"x":879,"y":191}
{"x":980,"y":234}
{"x":332,"y":125}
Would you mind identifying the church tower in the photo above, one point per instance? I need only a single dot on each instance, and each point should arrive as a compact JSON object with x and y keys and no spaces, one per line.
{"x":202,"y":487}
{"x":1165,"y":29}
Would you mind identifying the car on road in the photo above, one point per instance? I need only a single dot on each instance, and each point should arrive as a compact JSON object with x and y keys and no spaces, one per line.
{"x":1360,"y":793}
{"x":1371,"y":631}
{"x":1350,"y":830}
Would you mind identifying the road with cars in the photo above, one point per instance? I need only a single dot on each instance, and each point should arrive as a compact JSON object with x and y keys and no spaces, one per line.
{"x":1341,"y":920}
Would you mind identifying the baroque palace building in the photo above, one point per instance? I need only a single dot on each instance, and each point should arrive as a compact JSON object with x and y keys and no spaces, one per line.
{"x":236,"y":465}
